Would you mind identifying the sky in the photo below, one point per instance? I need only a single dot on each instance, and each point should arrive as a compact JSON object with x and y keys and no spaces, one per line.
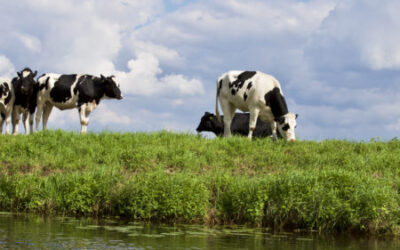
{"x":338,"y":62}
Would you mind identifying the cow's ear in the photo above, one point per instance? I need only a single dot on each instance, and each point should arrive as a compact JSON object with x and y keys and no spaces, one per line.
{"x":34,"y":74}
{"x":102,"y":77}
{"x":19,"y":74}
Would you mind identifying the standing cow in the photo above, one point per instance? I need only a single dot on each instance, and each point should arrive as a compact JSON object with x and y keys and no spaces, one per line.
{"x":257,"y":93}
{"x":239,"y":126}
{"x":25,"y":89}
{"x":7,"y":98}
{"x":73,"y":91}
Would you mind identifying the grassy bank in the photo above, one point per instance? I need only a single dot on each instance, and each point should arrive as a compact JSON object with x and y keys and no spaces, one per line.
{"x":327,"y":186}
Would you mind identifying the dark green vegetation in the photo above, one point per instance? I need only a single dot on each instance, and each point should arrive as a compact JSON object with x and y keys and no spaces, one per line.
{"x":333,"y":185}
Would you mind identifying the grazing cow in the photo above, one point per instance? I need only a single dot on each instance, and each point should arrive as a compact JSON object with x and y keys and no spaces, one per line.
{"x":7,"y":98}
{"x":257,"y":93}
{"x":73,"y":91}
{"x":239,"y":126}
{"x":25,"y":89}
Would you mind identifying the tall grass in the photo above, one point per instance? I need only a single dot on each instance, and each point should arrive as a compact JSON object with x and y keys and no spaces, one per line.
{"x":328,"y":186}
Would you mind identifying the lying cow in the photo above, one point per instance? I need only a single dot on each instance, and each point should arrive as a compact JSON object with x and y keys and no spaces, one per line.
{"x":257,"y":93}
{"x":73,"y":91}
{"x":7,"y":98}
{"x":25,"y":89}
{"x":239,"y":126}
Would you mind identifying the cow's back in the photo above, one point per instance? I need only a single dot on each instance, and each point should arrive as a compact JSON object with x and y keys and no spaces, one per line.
{"x":246,"y":89}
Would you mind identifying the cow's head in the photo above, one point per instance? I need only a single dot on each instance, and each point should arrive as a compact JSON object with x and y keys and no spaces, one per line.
{"x":210,"y":123}
{"x":286,"y":125}
{"x":111,"y":87}
{"x":26,"y":76}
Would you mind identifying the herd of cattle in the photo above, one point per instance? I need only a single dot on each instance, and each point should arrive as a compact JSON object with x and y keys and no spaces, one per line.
{"x":23,"y":95}
{"x":250,"y":91}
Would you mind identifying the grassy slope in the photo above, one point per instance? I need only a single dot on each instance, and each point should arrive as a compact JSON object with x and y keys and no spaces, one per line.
{"x":328,"y":186}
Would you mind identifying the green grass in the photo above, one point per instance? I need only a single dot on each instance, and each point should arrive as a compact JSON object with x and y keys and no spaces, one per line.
{"x":334,"y":186}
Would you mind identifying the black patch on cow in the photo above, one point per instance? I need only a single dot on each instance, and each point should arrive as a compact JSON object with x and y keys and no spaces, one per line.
{"x":95,"y":88}
{"x":249,"y":85}
{"x":61,"y":92}
{"x":89,"y":90}
{"x":3,"y":116}
{"x":286,"y":127}
{"x":26,"y":99}
{"x":8,"y":98}
{"x":5,"y":90}
{"x":245,"y":96}
{"x":233,"y":92}
{"x":219,"y":87}
{"x":276,"y":102}
{"x":45,"y":85}
{"x":242,"y":77}
{"x":20,"y":98}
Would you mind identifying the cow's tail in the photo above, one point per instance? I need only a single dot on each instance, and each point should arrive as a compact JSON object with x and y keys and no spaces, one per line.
{"x":219,"y":83}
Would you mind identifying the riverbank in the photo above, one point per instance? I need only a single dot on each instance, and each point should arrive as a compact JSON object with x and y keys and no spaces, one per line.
{"x":333,"y":186}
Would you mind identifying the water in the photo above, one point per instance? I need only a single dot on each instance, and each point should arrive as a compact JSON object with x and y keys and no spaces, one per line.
{"x":35,"y":232}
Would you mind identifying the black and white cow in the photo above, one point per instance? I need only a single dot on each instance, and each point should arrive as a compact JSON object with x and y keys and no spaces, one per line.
{"x":239,"y":125}
{"x":25,"y":89}
{"x":7,"y":98}
{"x":73,"y":91}
{"x":257,"y":93}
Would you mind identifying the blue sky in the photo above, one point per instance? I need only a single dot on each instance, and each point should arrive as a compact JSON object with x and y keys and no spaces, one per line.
{"x":337,"y":61}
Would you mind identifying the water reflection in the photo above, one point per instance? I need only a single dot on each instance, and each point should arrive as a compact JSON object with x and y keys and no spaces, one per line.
{"x":35,"y":232}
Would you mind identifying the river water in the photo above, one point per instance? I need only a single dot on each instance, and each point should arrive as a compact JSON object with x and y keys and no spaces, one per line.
{"x":36,"y":232}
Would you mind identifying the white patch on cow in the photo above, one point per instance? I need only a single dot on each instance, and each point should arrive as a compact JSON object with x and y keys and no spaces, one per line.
{"x":90,"y":106}
{"x":26,"y":73}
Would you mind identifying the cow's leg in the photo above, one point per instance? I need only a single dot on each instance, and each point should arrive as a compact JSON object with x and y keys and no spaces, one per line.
{"x":253,"y":121}
{"x":273,"y":128}
{"x":46,"y":113}
{"x":83,"y":118}
{"x":84,"y":113}
{"x":39,"y":114}
{"x":2,"y":118}
{"x":229,"y":112}
{"x":8,"y":120}
{"x":31,"y":116}
{"x":25,"y":121}
{"x":15,"y":121}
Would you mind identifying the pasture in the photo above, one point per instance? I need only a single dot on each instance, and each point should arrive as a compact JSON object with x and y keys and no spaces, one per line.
{"x":329,"y":186}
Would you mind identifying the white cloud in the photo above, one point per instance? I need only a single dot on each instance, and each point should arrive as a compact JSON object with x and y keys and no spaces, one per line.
{"x":360,"y":33}
{"x":164,"y":54}
{"x":104,"y":115}
{"x":30,"y":42}
{"x":7,"y":69}
{"x":142,"y":79}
